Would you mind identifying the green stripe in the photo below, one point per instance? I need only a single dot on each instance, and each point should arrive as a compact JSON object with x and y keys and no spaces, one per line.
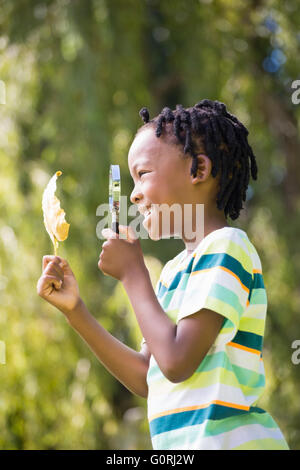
{"x":210,"y":362}
{"x":215,"y":428}
{"x":249,"y":377}
{"x":230,"y":375}
{"x":201,"y":380}
{"x":222,"y":308}
{"x":182,"y":419}
{"x":226,"y":295}
{"x":217,"y":293}
{"x":264,"y":419}
{"x":234,"y":249}
{"x":259,"y":296}
{"x":253,"y":325}
{"x":213,"y":361}
{"x":264,"y":444}
{"x":207,"y":261}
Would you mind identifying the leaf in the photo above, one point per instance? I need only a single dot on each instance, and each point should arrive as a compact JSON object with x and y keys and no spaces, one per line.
{"x":54,"y":215}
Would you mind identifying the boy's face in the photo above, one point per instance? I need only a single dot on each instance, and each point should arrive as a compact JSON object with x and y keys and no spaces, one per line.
{"x":162,"y":178}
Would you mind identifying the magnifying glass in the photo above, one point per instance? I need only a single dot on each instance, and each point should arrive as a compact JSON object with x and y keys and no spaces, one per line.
{"x":114,"y":196}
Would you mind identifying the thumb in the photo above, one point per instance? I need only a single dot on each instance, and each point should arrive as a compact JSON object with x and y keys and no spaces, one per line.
{"x":129,"y":233}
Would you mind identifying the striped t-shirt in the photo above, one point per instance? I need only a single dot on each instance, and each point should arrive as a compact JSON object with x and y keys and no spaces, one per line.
{"x":216,"y":408}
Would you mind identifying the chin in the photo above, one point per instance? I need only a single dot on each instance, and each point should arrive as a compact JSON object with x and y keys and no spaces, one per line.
{"x":154,"y":237}
{"x":157,"y":234}
{"x":154,"y":233}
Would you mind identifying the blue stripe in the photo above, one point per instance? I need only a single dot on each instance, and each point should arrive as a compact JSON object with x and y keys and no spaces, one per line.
{"x":193,"y":417}
{"x":258,"y":281}
{"x":250,"y":340}
{"x":226,"y":261}
{"x":206,"y":262}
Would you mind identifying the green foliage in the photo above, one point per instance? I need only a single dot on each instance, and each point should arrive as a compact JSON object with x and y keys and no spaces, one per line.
{"x":76,"y":75}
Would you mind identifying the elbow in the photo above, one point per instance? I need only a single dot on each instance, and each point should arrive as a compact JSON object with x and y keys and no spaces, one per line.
{"x":181,"y":369}
{"x":143,"y":394}
{"x":177,"y":378}
{"x":177,"y":374}
{"x":140,"y":391}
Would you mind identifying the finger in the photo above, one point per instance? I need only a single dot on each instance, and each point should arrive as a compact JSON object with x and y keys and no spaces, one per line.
{"x":47,"y":282}
{"x":58,"y":261}
{"x":66,"y":267}
{"x":100,"y":266}
{"x":109,"y":233}
{"x":128,"y":232}
{"x":107,"y":243}
{"x":54,"y":269}
{"x":48,"y":258}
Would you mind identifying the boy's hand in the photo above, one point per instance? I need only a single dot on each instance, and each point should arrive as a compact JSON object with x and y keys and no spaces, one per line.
{"x":58,"y":285}
{"x":120,"y":257}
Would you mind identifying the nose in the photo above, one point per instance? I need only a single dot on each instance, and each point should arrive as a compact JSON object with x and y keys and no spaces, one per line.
{"x":135,"y":196}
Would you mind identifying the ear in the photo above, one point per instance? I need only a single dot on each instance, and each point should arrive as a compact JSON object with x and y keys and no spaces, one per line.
{"x":204,"y":169}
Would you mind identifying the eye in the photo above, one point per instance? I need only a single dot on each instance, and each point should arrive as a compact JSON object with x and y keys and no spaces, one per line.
{"x":140,"y":173}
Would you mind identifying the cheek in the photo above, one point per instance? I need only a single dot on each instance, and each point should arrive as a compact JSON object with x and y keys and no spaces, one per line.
{"x":155,"y":190}
{"x":174,"y":190}
{"x":168,"y":190}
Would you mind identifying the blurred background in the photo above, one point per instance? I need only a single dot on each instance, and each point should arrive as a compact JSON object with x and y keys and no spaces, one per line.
{"x":75,"y":75}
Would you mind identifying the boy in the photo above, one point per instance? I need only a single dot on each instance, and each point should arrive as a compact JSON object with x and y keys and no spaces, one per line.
{"x":200,"y":365}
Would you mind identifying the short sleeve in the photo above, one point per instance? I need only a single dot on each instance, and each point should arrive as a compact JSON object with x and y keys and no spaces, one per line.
{"x":220,"y":280}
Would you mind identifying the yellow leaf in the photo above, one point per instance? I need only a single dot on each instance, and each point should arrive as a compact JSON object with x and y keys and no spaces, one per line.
{"x":54,"y":216}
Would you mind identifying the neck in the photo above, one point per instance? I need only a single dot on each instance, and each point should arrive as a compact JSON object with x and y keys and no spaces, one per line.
{"x":202,"y":225}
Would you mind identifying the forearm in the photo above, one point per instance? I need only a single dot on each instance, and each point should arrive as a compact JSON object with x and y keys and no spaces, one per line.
{"x":127,"y":365}
{"x":156,"y":327}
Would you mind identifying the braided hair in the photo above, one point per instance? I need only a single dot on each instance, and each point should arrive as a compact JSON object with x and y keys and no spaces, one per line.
{"x":208,"y":127}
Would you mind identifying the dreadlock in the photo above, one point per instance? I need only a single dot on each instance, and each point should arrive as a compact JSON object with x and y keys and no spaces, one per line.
{"x":209,"y":127}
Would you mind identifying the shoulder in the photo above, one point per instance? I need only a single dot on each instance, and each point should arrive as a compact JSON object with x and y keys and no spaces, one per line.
{"x":224,"y":237}
{"x":229,"y":242}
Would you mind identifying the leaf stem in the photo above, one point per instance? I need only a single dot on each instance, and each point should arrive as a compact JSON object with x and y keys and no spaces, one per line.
{"x":55,"y":246}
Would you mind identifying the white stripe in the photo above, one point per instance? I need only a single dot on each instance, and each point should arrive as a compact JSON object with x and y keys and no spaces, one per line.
{"x":256,"y":260}
{"x":198,"y":290}
{"x":256,"y":311}
{"x":181,"y":398}
{"x":239,"y":436}
{"x":233,"y":235}
{"x":176,"y":300}
{"x":245,"y":359}
{"x":220,"y":276}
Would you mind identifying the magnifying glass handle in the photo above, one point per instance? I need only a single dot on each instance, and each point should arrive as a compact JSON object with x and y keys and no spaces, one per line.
{"x":115,"y":226}
{"x":114,"y":196}
{"x":115,"y":223}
